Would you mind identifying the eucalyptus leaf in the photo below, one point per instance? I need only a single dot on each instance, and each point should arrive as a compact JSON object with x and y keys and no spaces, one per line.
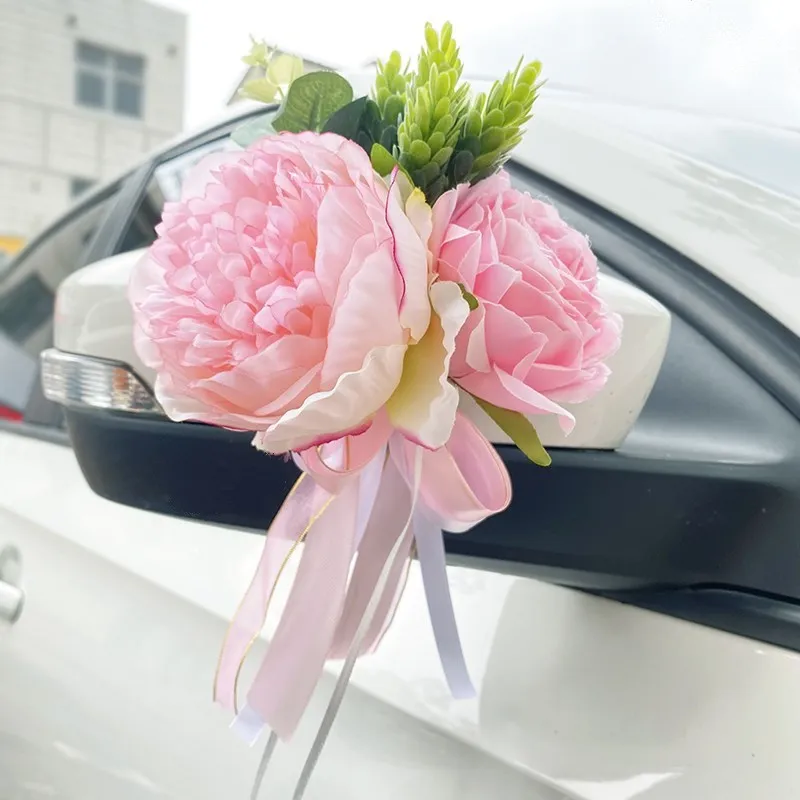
{"x":254,"y":129}
{"x":284,"y":69}
{"x":311,"y":100}
{"x":261,"y":89}
{"x":519,"y":429}
{"x":346,"y":120}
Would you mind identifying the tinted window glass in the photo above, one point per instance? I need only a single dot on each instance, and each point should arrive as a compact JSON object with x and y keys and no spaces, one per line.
{"x":130,"y":65}
{"x":91,"y":54}
{"x":165,"y":186}
{"x":91,"y":90}
{"x":128,"y":98}
{"x":27,"y":295}
{"x":29,"y":283}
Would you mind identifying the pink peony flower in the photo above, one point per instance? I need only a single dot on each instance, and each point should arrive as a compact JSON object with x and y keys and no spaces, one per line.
{"x":284,"y":291}
{"x":541,"y":334}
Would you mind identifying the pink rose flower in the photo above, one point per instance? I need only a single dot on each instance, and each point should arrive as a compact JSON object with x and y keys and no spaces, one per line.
{"x":284,"y":291}
{"x":541,"y":334}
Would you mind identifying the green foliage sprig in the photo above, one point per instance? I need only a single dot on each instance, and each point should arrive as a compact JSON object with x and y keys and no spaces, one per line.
{"x":444,"y":136}
{"x":435,"y":113}
{"x":425,"y":120}
{"x":494,"y":125}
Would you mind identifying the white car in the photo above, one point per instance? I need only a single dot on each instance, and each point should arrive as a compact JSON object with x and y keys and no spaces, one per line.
{"x":651,"y":656}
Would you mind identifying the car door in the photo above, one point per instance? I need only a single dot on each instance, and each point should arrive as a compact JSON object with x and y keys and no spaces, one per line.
{"x":105,"y":677}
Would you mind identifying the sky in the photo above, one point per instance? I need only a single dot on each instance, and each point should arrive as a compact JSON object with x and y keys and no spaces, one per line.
{"x":737,"y":58}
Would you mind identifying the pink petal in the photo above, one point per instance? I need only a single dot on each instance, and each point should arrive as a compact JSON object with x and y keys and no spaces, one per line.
{"x":356,"y":397}
{"x":503,"y":390}
{"x":364,"y":317}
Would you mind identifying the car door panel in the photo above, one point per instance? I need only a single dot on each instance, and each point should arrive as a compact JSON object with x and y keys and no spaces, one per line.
{"x":105,"y":679}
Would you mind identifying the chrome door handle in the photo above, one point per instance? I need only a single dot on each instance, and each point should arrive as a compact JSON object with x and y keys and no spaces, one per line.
{"x":12,"y":598}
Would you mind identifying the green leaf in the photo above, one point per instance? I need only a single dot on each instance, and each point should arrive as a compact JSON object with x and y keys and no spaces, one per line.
{"x":433,"y":190}
{"x":493,"y":119}
{"x":473,"y":125}
{"x":461,"y":165}
{"x":311,"y":100}
{"x":519,"y":429}
{"x":471,"y":144}
{"x":431,"y":38}
{"x":284,"y":69}
{"x":254,"y":129}
{"x":445,"y":123}
{"x":259,"y":54}
{"x":261,"y":89}
{"x":364,"y":141}
{"x":441,"y":157}
{"x":511,"y":112}
{"x":531,"y":72}
{"x":442,"y":107}
{"x":419,"y":152}
{"x":436,"y":142}
{"x":491,"y":139}
{"x":382,"y":95}
{"x":393,"y":109}
{"x":472,"y":301}
{"x":382,"y":161}
{"x":389,"y":137}
{"x":346,"y":120}
{"x":427,"y":175}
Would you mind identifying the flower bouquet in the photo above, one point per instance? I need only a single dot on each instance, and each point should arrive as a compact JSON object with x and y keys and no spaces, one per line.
{"x":339,"y":286}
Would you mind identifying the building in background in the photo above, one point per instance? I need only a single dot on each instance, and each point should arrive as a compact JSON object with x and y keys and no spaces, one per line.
{"x":86,"y":87}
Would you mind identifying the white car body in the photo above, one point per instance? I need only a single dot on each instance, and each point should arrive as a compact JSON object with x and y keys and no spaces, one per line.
{"x":105,"y":679}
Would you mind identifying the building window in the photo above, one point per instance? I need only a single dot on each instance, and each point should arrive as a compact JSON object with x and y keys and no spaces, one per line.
{"x":108,"y":80}
{"x":78,"y":186}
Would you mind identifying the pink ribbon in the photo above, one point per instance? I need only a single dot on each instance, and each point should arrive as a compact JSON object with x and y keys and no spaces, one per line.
{"x":358,"y":500}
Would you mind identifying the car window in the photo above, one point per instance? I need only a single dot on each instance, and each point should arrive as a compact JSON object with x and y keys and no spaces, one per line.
{"x":29,"y":282}
{"x":165,"y":186}
{"x":27,"y":294}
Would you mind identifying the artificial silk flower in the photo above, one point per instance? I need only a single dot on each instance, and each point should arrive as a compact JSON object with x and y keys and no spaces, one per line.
{"x":331,"y":287}
{"x":540,"y":334}
{"x":283,"y":292}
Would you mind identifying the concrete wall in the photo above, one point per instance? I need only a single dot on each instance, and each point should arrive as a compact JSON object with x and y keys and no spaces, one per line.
{"x":46,"y":139}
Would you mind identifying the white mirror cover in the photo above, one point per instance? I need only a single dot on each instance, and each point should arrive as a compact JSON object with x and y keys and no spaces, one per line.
{"x":93,"y":317}
{"x":603,"y":422}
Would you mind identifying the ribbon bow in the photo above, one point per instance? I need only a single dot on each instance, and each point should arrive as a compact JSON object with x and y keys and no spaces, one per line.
{"x":370,"y":497}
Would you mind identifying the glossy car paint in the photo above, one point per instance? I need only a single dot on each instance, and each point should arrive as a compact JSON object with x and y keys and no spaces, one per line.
{"x":105,"y":679}
{"x":746,"y":234}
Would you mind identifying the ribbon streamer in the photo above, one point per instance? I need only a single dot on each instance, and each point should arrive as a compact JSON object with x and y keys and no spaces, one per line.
{"x":370,"y":498}
{"x":432,"y":564}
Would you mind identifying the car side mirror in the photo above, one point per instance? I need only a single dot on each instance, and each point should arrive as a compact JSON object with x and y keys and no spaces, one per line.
{"x":131,"y":453}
